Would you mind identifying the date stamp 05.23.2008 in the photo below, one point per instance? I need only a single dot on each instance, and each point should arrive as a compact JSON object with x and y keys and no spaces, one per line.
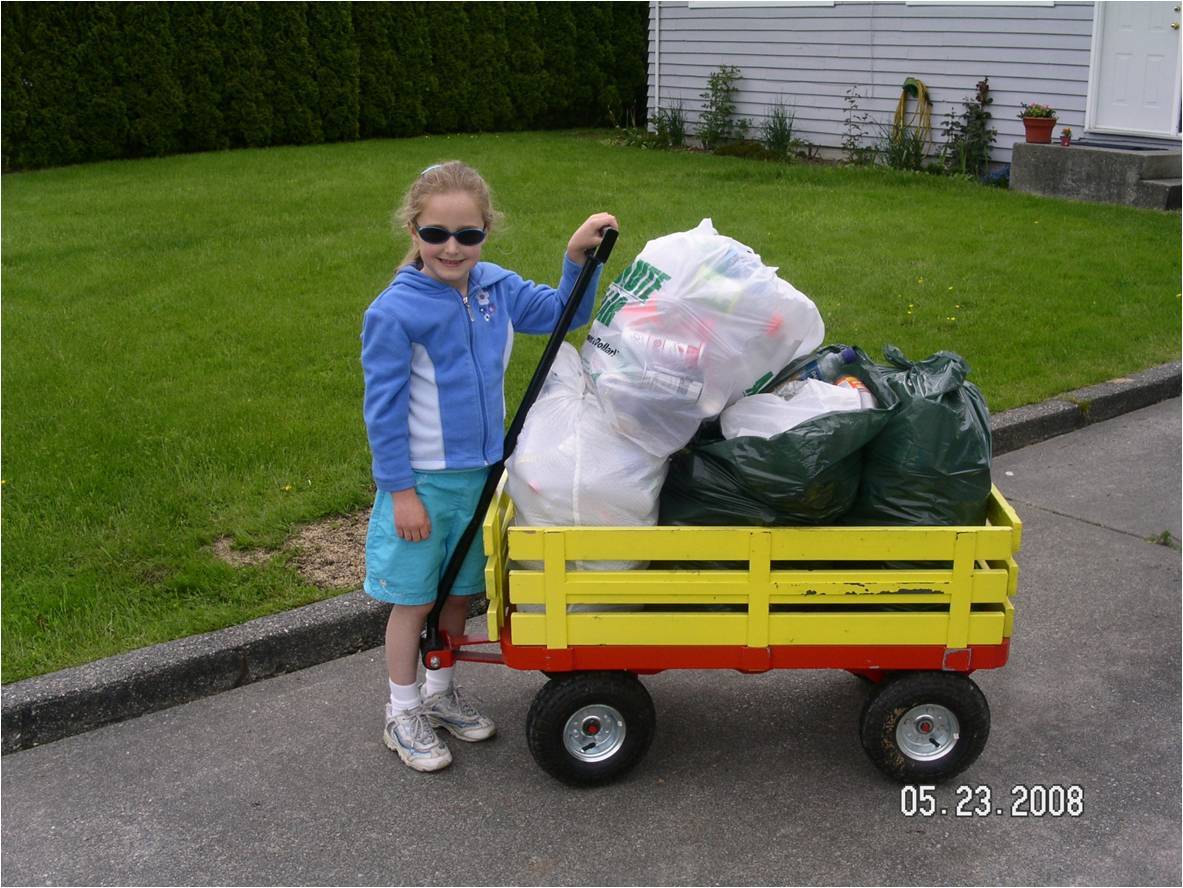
{"x":1034,"y":800}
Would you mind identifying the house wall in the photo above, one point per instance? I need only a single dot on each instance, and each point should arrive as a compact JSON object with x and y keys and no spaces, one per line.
{"x":810,"y":54}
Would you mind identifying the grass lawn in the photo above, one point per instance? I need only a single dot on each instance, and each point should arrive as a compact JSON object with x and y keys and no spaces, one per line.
{"x":180,"y":336}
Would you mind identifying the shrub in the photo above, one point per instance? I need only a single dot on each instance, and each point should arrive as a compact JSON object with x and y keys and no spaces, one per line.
{"x":330,"y":26}
{"x":717,"y":123}
{"x":247,"y":116}
{"x":970,"y":138}
{"x":94,"y":81}
{"x":292,"y":90}
{"x":201,"y":75}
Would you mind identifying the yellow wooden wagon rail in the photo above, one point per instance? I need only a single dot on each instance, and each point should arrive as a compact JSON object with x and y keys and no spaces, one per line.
{"x":969,"y":573}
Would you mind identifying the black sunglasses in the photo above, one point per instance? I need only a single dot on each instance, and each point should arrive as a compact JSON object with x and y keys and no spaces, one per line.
{"x":437,"y":234}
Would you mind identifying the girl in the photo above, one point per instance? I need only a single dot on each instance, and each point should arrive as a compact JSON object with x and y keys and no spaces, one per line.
{"x":435,"y":344}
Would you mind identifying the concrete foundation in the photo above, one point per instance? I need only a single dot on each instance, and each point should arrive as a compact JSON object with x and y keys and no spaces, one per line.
{"x":1146,"y":179}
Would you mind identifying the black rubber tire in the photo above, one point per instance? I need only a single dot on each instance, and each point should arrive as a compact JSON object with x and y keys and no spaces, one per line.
{"x":891,"y":700}
{"x":563,"y":696}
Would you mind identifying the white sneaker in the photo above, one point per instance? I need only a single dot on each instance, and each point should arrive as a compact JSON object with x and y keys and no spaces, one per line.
{"x":411,"y":735}
{"x":453,"y":713}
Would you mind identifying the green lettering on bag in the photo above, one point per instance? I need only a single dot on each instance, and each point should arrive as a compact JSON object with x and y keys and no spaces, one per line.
{"x":614,"y":301}
{"x":629,"y":277}
{"x":639,"y":281}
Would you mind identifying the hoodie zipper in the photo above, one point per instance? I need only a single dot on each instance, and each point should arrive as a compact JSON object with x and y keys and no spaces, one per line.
{"x":480,"y":386}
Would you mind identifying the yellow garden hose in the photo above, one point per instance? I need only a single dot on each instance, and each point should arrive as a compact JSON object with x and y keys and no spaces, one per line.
{"x":923,"y":115}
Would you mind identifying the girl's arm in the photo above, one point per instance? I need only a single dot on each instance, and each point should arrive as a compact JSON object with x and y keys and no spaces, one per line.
{"x":385,"y":361}
{"x":386,"y":366}
{"x":588,"y":235}
{"x":411,"y":521}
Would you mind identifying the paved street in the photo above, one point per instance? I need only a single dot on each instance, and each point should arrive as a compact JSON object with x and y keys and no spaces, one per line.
{"x":751,"y":779}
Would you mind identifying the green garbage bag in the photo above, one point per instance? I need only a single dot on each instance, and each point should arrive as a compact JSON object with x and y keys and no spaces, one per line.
{"x":808,"y":474}
{"x":931,"y":462}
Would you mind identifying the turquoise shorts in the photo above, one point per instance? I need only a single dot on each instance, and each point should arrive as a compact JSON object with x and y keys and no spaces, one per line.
{"x":402,"y":572}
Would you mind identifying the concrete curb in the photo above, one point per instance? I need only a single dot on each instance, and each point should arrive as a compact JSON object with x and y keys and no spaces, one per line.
{"x":60,"y":704}
{"x":1077,"y":409}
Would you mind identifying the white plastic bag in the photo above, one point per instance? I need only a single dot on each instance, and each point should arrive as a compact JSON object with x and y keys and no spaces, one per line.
{"x":570,"y":467}
{"x":690,"y":326}
{"x":764,"y":416}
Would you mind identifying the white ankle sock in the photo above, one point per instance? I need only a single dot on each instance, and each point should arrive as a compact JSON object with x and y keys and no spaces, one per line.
{"x":403,"y":697}
{"x":437,"y":680}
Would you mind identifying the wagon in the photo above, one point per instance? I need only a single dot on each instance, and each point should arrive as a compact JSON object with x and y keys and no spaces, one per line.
{"x":913,"y":611}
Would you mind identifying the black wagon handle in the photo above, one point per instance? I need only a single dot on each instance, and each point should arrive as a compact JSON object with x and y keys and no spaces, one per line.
{"x":430,"y":643}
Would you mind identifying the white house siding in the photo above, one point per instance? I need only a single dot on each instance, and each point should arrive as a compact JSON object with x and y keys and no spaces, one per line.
{"x":810,"y":55}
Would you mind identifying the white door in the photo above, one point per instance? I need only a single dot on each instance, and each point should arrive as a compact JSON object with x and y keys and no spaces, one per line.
{"x":1134,"y":74}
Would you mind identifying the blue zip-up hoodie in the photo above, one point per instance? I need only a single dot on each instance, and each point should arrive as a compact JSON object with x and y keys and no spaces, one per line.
{"x":434,"y":365}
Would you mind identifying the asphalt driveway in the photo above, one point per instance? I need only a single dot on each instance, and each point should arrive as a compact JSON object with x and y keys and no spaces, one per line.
{"x":751,"y":779}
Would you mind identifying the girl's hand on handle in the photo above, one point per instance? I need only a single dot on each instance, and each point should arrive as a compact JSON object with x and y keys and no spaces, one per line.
{"x":588,"y":235}
{"x":411,"y":522}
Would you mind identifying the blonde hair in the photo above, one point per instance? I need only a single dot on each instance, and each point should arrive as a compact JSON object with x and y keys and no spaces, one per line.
{"x":443,"y":178}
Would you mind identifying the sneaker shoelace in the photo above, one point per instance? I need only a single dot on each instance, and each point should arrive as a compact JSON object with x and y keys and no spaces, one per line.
{"x":421,"y":731}
{"x":463,"y":705}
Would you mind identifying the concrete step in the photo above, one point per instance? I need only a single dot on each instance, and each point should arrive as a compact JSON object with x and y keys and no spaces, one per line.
{"x":1160,"y":194}
{"x":1162,"y":165}
{"x":1139,"y":178}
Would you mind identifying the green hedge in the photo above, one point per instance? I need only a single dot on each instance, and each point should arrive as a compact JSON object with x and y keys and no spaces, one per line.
{"x":96,"y":81}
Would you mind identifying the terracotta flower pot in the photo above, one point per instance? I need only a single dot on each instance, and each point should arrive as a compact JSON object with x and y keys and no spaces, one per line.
{"x":1039,"y":129}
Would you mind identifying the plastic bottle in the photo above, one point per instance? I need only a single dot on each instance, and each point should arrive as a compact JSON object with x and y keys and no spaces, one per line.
{"x":866,"y":399}
{"x":664,"y":351}
{"x":827,"y":368}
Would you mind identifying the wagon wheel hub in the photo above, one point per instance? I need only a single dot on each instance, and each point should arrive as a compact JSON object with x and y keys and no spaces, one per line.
{"x":927,"y":732}
{"x":594,"y":733}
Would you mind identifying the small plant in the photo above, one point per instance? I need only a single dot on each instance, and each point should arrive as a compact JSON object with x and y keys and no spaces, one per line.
{"x":902,"y":147}
{"x":669,"y":130}
{"x":1037,"y":110}
{"x":777,"y":133}
{"x":970,"y":138}
{"x":854,"y":145}
{"x":627,"y":133}
{"x":632,"y":137}
{"x":1166,"y":538}
{"x":807,"y":149}
{"x":717,"y":123}
{"x":669,"y":126}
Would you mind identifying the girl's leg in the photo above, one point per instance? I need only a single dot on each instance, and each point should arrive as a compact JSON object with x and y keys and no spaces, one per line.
{"x":455,"y":614}
{"x":452,"y":620}
{"x":408,"y":730}
{"x":403,"y":629}
{"x":402,"y":641}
